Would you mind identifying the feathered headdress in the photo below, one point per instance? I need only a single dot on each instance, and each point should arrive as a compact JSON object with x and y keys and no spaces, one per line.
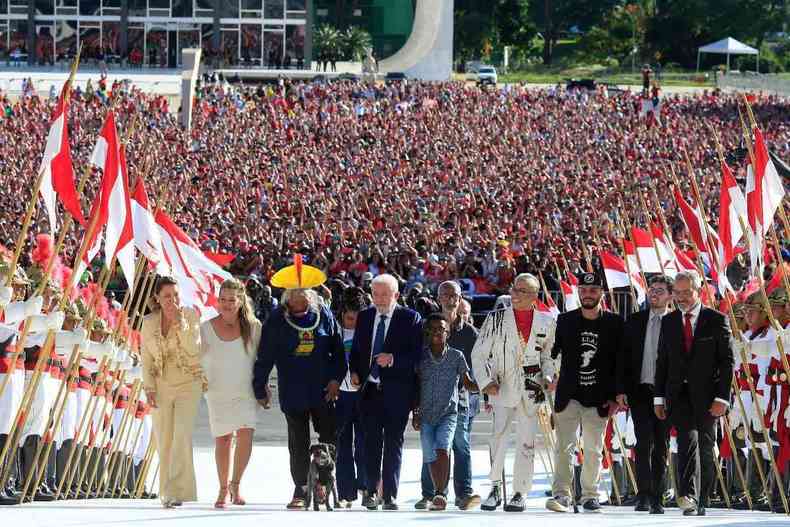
{"x":298,"y":276}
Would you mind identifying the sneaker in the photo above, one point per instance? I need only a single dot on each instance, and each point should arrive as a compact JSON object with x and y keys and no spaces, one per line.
{"x":686,"y":503}
{"x":559,"y":504}
{"x":344,"y":504}
{"x":439,"y":503}
{"x":467,"y":502}
{"x":422,"y":504}
{"x":592,"y":505}
{"x":389,"y":505}
{"x":371,"y":502}
{"x":493,"y":500}
{"x":517,"y":503}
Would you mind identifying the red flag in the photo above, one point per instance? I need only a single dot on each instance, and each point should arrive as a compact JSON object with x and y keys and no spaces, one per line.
{"x":692,"y":217}
{"x":58,"y":178}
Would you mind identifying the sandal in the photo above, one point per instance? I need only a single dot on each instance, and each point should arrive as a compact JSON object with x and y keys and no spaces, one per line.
{"x":235,"y":497}
{"x":222,"y":499}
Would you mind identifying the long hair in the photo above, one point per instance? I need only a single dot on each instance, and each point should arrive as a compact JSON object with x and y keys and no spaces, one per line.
{"x":246,"y":313}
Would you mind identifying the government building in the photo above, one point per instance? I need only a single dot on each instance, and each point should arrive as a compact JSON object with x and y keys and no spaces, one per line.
{"x":151,"y":33}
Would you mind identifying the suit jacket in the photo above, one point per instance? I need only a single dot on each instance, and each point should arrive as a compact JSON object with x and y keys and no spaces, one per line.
{"x":566,"y":345}
{"x":403,"y":341}
{"x":632,"y":351}
{"x":499,"y":356}
{"x":707,"y":368}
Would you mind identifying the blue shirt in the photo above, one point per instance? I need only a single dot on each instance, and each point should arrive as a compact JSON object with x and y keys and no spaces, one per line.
{"x":439,"y":380}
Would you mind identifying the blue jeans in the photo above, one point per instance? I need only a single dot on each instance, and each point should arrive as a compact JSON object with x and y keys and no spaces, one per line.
{"x":437,"y":436}
{"x":350,"y":447}
{"x":462,"y":456}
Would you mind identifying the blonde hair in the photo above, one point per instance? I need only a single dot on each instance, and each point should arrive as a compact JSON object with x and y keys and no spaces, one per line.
{"x":246,"y":313}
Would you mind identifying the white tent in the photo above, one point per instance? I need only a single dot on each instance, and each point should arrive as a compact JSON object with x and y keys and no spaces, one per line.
{"x":729,"y":46}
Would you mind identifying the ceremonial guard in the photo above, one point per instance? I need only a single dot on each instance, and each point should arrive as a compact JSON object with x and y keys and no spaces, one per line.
{"x":778,"y":383}
{"x":512,"y":363}
{"x":760,"y":340}
{"x":17,"y":307}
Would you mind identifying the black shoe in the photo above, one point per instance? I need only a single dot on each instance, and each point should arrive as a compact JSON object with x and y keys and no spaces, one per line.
{"x":517,"y":503}
{"x":656,"y":508}
{"x":778,"y":508}
{"x":592,"y":505}
{"x":761,"y":505}
{"x":371,"y":502}
{"x":699,"y":510}
{"x":642,"y":504}
{"x":389,"y":505}
{"x":43,"y":494}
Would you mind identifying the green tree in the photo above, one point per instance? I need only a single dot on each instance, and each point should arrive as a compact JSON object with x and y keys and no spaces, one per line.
{"x":680,"y":27}
{"x":327,"y":43}
{"x":552,"y":17}
{"x":356,"y":42}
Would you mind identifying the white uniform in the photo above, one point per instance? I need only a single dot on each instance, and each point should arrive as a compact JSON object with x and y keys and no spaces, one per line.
{"x":500,"y":355}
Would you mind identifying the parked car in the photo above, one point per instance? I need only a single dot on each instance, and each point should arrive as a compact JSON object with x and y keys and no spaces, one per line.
{"x":483,"y":75}
{"x":394,"y":77}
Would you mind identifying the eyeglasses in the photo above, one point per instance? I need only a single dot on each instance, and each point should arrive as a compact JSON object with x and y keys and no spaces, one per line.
{"x":520,"y":291}
{"x":657,"y":291}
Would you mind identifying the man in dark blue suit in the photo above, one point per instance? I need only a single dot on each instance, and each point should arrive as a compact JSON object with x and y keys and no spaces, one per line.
{"x":384,"y":354}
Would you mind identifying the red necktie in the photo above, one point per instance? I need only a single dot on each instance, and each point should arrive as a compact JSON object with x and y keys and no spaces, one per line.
{"x":688,"y":335}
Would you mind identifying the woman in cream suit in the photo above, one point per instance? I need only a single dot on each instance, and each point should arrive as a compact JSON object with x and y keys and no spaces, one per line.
{"x":173,"y":381}
{"x":229,"y":347}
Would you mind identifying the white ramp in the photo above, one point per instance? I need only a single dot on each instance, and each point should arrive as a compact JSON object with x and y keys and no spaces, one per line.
{"x":428,"y":54}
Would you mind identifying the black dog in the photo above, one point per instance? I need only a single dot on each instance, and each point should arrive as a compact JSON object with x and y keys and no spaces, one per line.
{"x":321,"y":477}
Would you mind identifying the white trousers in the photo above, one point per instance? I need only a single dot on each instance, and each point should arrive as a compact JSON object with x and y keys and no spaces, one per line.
{"x":526,"y":416}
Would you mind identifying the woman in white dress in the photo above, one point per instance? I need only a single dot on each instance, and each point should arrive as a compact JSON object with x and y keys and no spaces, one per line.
{"x":230,"y":344}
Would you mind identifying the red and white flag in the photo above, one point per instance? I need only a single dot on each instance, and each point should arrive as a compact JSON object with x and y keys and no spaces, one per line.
{"x":764,"y":194}
{"x":694,"y":220}
{"x":115,"y":212}
{"x":617,"y":275}
{"x":198,"y":276}
{"x":550,"y":308}
{"x":147,"y":238}
{"x":58,"y":177}
{"x":646,"y":250}
{"x":732,"y":206}
{"x":570,"y":292}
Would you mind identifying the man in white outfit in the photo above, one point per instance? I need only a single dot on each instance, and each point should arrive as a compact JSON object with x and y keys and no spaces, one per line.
{"x":512,"y":363}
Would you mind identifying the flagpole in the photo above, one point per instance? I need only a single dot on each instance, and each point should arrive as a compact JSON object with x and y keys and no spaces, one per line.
{"x":55,"y":424}
{"x":87,"y":416}
{"x":27,"y":398}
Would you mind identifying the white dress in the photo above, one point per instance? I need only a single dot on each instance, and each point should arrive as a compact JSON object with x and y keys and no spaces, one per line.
{"x":228,"y":370}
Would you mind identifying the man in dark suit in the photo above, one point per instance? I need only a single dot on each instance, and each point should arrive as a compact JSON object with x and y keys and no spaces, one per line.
{"x":636,"y":373}
{"x":693,"y":378}
{"x":386,"y":348}
{"x":588,"y":339}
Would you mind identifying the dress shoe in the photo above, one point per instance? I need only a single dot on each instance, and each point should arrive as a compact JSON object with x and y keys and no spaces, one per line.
{"x":642,"y":504}
{"x":699,"y":510}
{"x":656,"y":508}
{"x":371,"y":502}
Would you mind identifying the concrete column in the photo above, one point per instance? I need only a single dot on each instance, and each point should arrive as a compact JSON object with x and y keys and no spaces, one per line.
{"x":190,"y":58}
{"x":124,"y":36}
{"x":31,"y":33}
{"x":308,"y":34}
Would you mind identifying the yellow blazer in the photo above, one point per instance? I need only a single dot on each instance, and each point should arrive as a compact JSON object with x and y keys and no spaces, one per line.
{"x":152,"y":343}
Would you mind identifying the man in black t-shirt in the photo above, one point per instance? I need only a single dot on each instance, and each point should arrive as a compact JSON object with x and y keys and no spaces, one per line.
{"x":587,"y":339}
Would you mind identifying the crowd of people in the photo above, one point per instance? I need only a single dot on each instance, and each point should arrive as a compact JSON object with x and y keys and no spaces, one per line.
{"x":387,"y":190}
{"x":425,"y":181}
